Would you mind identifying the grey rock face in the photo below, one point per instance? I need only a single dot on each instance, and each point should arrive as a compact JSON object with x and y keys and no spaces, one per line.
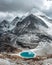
{"x":31,"y":31}
{"x":29,"y":24}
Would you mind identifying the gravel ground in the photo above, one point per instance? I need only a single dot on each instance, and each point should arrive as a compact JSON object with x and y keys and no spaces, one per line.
{"x":6,"y":59}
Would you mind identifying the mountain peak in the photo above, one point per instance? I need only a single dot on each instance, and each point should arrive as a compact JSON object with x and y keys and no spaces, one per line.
{"x":31,"y":15}
{"x":31,"y":18}
{"x":15,"y":20}
{"x":4,"y":24}
{"x":29,"y":24}
{"x":4,"y":21}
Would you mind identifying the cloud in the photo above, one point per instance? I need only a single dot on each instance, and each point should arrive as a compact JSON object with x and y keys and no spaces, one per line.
{"x":15,"y":5}
{"x":47,"y":8}
{"x":18,"y":7}
{"x":12,"y":8}
{"x":6,"y":15}
{"x":9,"y":15}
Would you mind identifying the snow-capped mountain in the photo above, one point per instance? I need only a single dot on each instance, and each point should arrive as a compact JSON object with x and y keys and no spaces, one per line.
{"x":28,"y":31}
{"x":30,"y":24}
{"x":31,"y":30}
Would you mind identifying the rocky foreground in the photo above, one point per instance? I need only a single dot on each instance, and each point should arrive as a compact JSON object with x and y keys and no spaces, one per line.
{"x":9,"y":59}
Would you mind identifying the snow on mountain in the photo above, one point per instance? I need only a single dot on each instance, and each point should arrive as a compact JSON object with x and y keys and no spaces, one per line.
{"x":15,"y":20}
{"x":46,"y":18}
{"x":31,"y":29}
{"x":4,"y":25}
{"x":30,"y":23}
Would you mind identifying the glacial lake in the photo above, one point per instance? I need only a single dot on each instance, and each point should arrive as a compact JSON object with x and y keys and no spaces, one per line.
{"x":27,"y":54}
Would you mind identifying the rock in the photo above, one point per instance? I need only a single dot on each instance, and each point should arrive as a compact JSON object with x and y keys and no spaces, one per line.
{"x":6,"y":62}
{"x":47,"y":62}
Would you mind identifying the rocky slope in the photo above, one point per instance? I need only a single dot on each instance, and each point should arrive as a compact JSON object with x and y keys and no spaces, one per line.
{"x":31,"y":31}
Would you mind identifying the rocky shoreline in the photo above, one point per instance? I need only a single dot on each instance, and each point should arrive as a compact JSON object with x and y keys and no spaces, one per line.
{"x":9,"y":59}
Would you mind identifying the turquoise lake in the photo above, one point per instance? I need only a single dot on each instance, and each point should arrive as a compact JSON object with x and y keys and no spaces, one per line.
{"x":27,"y":54}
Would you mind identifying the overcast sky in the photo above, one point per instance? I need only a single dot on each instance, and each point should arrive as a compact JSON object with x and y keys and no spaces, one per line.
{"x":11,"y":8}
